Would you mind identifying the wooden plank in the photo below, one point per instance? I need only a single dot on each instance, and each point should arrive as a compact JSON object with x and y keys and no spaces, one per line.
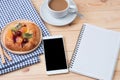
{"x":88,"y":5}
{"x":92,"y":16}
{"x":37,"y":72}
{"x":98,"y":5}
{"x":116,"y":76}
{"x":104,"y":19}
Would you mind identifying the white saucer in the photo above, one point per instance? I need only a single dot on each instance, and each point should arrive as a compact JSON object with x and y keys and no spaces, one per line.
{"x":47,"y":17}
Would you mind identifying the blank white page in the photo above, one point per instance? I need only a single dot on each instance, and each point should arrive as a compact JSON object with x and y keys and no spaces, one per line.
{"x":96,"y":53}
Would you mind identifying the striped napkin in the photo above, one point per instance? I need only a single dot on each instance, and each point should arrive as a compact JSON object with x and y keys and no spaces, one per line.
{"x":11,"y":10}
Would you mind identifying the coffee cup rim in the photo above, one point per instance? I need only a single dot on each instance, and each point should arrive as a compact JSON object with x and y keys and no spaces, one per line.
{"x":59,"y":10}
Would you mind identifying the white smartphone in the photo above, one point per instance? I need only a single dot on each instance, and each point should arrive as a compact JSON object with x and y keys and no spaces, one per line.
{"x":55,"y":57}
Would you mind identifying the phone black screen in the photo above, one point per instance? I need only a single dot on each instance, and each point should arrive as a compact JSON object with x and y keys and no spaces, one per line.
{"x":54,"y":54}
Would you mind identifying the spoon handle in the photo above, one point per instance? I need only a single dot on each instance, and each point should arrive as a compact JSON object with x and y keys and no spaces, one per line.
{"x":80,"y":15}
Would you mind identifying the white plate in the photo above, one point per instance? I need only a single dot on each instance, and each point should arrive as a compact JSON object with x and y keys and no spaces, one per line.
{"x":47,"y":17}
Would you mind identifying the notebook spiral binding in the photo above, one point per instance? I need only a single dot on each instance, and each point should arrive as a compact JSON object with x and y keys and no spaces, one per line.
{"x":76,"y":48}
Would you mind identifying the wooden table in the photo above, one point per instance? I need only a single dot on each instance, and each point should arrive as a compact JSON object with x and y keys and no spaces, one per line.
{"x":104,"y":13}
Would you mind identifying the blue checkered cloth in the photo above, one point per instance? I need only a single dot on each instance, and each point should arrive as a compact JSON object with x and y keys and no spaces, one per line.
{"x":22,"y":64}
{"x":11,"y":10}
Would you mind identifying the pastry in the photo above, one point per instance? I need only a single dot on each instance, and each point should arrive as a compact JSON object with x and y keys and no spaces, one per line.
{"x":21,"y":36}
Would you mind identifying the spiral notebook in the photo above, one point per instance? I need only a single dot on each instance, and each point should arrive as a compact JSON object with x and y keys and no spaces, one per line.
{"x":96,"y":52}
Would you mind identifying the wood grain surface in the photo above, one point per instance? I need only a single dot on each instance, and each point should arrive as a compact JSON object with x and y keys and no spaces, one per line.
{"x":103,"y":13}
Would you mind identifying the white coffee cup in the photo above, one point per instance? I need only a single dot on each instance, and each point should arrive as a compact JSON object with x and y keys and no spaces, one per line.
{"x":62,"y":13}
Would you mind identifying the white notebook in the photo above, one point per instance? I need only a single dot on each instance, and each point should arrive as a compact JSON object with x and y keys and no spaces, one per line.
{"x":96,"y":52}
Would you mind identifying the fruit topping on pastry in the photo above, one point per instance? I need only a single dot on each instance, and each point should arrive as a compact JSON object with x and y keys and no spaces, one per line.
{"x":20,"y":34}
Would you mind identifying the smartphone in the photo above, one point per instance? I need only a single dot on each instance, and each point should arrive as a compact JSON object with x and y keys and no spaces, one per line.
{"x":55,"y":57}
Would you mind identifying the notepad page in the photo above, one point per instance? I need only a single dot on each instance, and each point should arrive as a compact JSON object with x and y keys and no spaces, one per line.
{"x":97,"y":53}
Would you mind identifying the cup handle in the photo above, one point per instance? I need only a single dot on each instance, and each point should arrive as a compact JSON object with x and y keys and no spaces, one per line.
{"x":72,"y":9}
